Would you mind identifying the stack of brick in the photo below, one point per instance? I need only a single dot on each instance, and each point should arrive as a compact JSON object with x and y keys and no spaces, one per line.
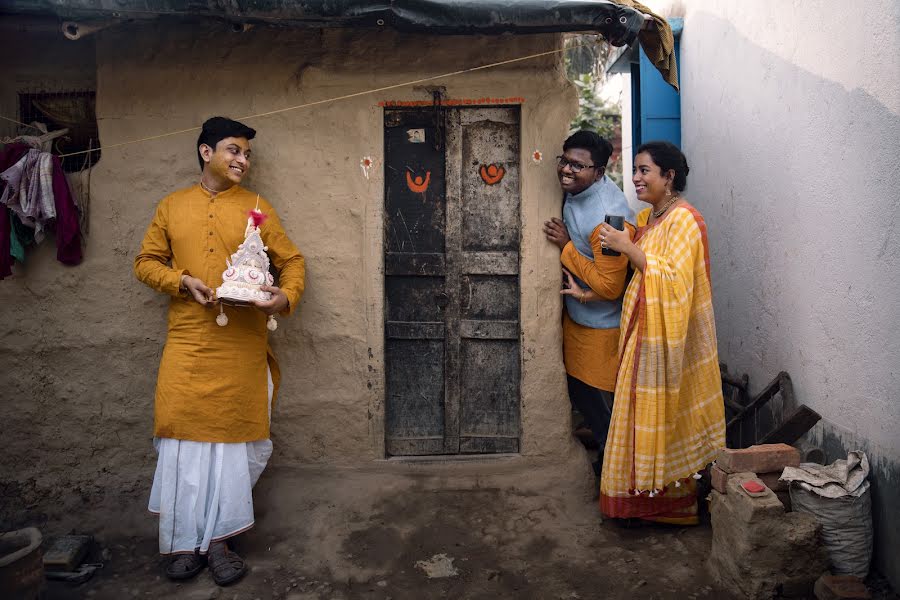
{"x":759,"y":550}
{"x":767,"y":461}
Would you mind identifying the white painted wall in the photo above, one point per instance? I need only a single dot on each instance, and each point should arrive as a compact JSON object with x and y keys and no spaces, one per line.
{"x":791,"y":126}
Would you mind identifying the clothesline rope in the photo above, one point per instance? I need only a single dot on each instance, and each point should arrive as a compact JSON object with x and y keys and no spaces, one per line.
{"x":21,"y":123}
{"x":323,"y":101}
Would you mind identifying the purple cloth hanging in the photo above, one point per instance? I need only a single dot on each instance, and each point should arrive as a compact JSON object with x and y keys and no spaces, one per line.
{"x":68,"y":234}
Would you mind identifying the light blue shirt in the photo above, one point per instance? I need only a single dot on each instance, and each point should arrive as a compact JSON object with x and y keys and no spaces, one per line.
{"x":582,"y":213}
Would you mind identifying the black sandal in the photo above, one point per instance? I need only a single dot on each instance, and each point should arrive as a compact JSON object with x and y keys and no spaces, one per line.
{"x":225,"y":566}
{"x":184,"y":566}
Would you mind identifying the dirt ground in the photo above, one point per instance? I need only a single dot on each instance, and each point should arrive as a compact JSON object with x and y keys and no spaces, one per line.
{"x":498,"y":528}
{"x":396,"y":530}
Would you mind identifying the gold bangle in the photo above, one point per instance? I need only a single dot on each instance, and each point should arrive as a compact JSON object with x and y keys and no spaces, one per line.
{"x":581,"y":297}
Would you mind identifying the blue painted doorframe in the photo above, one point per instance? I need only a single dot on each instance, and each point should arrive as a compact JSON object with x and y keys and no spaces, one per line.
{"x":656,"y":106}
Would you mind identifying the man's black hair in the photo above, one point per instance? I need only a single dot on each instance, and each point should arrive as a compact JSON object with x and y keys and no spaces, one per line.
{"x":217,"y":129}
{"x":586,"y":139}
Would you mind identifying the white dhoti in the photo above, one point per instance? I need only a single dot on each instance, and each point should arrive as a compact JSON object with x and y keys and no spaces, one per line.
{"x":202,"y":491}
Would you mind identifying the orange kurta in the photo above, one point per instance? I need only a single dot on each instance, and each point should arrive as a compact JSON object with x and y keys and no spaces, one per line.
{"x":592,"y":355}
{"x":211,"y":385}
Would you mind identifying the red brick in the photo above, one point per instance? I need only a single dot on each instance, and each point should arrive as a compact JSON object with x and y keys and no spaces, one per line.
{"x":772,"y":482}
{"x":764,"y":458}
{"x":719,"y":479}
{"x":841,"y":587}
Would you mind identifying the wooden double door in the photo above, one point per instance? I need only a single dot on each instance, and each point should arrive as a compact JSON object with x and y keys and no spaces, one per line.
{"x":451,"y":256}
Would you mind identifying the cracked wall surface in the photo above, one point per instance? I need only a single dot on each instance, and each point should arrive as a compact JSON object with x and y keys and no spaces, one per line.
{"x":81,"y":345}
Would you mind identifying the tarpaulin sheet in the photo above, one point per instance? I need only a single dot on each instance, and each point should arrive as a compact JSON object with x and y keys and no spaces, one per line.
{"x":619,"y":21}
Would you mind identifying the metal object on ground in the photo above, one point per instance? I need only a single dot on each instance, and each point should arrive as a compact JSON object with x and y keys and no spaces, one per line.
{"x":82,"y":574}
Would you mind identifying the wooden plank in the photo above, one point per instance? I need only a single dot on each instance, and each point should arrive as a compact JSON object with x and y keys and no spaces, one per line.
{"x":489,"y":283}
{"x":782,"y":380}
{"x":490,"y":375}
{"x":414,"y":446}
{"x":415,"y":298}
{"x":423,"y":264}
{"x":406,"y":330}
{"x":414,"y":185}
{"x":491,"y":211}
{"x":414,"y":381}
{"x":453,"y":250}
{"x":488,"y":445}
{"x":495,"y":330}
{"x":801,"y":420}
{"x":415,"y":284}
{"x":490,"y":263}
{"x":490,"y":297}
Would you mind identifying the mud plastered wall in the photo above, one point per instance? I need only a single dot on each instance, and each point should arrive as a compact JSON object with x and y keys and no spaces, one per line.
{"x":53,"y":64}
{"x":82,"y":345}
{"x":790,"y":126}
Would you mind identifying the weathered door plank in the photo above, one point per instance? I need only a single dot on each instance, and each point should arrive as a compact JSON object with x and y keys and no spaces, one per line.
{"x":489,"y":350}
{"x":415,"y":286}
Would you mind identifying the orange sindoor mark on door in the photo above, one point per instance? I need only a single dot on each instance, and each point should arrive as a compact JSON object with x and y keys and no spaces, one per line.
{"x":454,"y":102}
{"x":492,"y":174}
{"x":418,"y":184}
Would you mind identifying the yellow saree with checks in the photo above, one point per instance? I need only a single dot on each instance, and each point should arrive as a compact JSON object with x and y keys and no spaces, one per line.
{"x":668,"y":418}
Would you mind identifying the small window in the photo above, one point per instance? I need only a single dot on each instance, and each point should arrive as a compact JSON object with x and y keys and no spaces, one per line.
{"x":66,"y":110}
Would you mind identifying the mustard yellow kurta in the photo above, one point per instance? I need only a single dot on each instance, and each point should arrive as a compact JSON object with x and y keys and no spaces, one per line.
{"x":592,"y":355}
{"x":211,"y":385}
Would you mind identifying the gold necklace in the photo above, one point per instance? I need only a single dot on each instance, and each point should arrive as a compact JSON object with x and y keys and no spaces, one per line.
{"x":657,"y":213}
{"x":207,"y":188}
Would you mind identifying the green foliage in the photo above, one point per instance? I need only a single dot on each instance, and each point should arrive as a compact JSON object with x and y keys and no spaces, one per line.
{"x":586,"y":59}
{"x":598,"y":115}
{"x":593,"y":112}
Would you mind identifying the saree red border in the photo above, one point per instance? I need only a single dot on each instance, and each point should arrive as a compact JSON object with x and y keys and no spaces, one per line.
{"x":642,"y":507}
{"x":452,"y":102}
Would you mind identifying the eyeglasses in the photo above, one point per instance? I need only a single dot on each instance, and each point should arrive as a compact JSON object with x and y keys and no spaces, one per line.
{"x":575,"y":167}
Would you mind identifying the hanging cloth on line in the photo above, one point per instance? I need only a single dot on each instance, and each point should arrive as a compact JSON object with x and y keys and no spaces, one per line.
{"x":36,"y":193}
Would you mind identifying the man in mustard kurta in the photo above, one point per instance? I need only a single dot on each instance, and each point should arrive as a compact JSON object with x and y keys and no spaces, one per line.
{"x":595,"y":281}
{"x":216,"y":385}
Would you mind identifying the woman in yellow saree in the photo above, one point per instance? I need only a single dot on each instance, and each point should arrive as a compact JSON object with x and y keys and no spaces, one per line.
{"x":668,"y":419}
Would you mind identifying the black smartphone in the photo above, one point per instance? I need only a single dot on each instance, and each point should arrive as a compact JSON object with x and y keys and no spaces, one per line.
{"x":617,"y":222}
